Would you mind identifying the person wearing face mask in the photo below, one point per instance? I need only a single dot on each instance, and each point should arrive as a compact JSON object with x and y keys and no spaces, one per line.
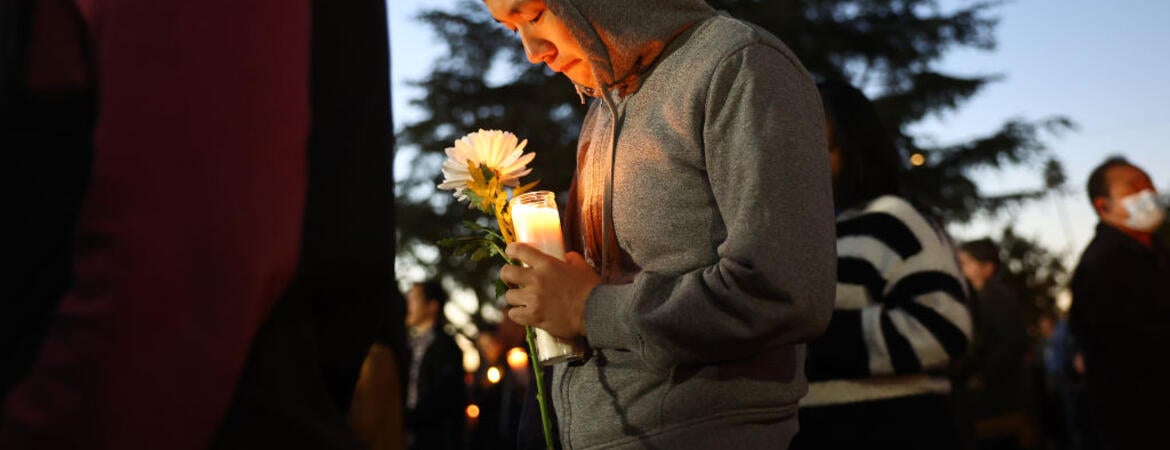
{"x":1121,"y":302}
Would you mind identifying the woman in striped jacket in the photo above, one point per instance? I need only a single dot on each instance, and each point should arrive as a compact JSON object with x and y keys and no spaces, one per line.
{"x":876,"y":375}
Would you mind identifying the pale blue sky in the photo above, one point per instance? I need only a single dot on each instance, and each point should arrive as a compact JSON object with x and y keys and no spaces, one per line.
{"x":1102,"y":63}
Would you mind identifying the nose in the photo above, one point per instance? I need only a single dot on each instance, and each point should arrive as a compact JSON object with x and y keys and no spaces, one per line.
{"x":538,"y":50}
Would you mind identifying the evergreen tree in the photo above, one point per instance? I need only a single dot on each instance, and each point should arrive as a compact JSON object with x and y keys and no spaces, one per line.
{"x":890,"y":48}
{"x":484,"y":81}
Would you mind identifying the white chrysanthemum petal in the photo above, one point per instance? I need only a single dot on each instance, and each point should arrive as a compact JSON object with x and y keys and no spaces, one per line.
{"x":523,"y":160}
{"x":449,"y":177}
{"x":452,"y":184}
{"x":495,"y":149}
{"x":514,"y":180}
{"x":498,"y":150}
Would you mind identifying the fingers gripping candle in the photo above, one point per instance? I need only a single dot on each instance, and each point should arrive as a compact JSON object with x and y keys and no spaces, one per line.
{"x":538,"y":223}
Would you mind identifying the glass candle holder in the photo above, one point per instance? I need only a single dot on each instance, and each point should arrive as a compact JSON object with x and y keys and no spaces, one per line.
{"x":538,"y":223}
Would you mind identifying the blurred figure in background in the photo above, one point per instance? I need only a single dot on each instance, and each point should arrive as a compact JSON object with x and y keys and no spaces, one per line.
{"x":876,"y":376}
{"x":435,"y":393}
{"x":1121,"y":300}
{"x":497,"y":391}
{"x":1058,"y":384}
{"x":998,"y":389}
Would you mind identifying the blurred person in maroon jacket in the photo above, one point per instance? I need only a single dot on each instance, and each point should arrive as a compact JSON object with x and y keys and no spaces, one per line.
{"x":202,"y":215}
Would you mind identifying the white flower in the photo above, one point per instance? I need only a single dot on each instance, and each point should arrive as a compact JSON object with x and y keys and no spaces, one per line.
{"x":497,"y":150}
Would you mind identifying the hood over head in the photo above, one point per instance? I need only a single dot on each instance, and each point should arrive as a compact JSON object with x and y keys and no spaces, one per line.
{"x":623,"y":38}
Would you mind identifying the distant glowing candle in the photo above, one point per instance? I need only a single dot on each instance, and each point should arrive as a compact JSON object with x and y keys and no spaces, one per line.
{"x":538,"y":223}
{"x":517,"y":359}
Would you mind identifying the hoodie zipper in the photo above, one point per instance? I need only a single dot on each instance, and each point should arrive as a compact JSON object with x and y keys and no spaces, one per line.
{"x":607,"y":225}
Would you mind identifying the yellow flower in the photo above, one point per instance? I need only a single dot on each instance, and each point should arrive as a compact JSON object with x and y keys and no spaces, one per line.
{"x":492,"y":151}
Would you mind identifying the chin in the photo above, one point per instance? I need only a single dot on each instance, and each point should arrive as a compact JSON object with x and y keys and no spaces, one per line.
{"x":584,"y":81}
{"x":579,"y":83}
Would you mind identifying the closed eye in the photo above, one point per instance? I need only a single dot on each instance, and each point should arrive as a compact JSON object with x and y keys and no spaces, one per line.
{"x":537,"y":17}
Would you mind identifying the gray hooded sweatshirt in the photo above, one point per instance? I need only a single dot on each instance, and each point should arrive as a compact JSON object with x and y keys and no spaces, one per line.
{"x":703,"y":197}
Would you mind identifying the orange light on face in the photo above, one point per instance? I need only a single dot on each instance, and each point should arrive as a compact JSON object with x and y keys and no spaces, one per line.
{"x":517,"y":359}
{"x":472,"y":411}
{"x":917,"y":159}
{"x":493,"y":375}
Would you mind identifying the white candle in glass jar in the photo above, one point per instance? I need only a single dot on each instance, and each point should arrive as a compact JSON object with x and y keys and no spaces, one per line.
{"x":539,"y":227}
{"x":538,"y":223}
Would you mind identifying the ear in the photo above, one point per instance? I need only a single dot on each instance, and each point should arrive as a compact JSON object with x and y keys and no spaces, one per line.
{"x":1101,"y":204}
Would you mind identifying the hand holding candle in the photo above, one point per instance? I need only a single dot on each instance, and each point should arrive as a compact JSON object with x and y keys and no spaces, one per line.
{"x":552,"y":287}
{"x":548,"y":293}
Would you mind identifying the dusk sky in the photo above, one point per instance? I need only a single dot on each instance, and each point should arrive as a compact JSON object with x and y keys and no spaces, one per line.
{"x":1101,"y":63}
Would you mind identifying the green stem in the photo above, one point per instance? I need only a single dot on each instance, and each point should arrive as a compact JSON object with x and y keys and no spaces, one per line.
{"x":538,"y":373}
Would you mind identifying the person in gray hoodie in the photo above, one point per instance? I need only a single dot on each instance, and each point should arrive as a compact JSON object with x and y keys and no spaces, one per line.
{"x":702,"y":222}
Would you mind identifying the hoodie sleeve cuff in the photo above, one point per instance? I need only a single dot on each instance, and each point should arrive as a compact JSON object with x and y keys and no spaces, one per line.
{"x":606,"y":317}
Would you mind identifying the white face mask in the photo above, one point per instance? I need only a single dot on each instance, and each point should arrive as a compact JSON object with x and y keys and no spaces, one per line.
{"x":1145,"y":214}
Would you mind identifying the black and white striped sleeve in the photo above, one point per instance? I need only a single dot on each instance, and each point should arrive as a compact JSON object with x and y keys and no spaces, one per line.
{"x":900,"y":303}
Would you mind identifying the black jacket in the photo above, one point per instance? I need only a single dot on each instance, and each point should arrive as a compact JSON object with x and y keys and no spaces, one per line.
{"x":436,"y":421}
{"x":1120,"y":309}
{"x":1001,"y":341}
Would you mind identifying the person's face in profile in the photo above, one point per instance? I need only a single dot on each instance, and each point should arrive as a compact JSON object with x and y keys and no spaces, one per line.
{"x":976,"y":271}
{"x":1123,"y":181}
{"x":545,"y":38}
{"x":418,"y":310}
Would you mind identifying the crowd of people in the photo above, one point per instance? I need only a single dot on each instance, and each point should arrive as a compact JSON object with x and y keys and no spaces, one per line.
{"x":745,"y":265}
{"x":1022,"y":382}
{"x":982,"y":368}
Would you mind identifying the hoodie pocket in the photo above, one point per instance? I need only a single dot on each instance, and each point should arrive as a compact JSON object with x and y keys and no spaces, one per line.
{"x":612,"y":397}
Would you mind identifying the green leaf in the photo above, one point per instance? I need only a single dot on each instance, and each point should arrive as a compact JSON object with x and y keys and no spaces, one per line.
{"x":471,"y":195}
{"x":462,"y":250}
{"x":498,"y":248}
{"x":475,"y":226}
{"x":490,"y":232}
{"x":453,"y":241}
{"x":501,"y":288}
{"x":481,"y":254}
